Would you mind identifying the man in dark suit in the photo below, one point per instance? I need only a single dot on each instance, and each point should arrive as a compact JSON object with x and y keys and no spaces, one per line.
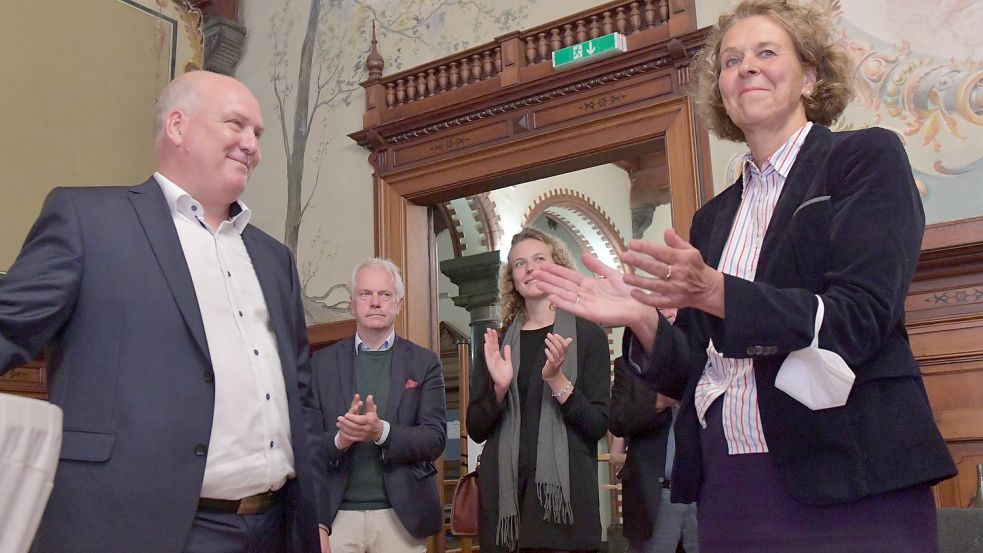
{"x":380,"y":491}
{"x":641,"y":419}
{"x":178,"y":347}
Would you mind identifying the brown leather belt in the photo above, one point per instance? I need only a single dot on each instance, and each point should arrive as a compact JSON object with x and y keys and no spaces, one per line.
{"x":252,"y":505}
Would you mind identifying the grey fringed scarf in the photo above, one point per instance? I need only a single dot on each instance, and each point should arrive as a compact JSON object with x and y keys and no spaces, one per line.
{"x":552,"y":453}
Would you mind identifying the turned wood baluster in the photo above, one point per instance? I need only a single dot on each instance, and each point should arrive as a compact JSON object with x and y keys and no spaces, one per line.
{"x":442,"y":78}
{"x":607,"y":24}
{"x":568,"y":35}
{"x":455,"y":75}
{"x":400,"y":92}
{"x":635,"y":17}
{"x":621,"y":21}
{"x":390,"y":95}
{"x":431,"y":82}
{"x":581,"y":30}
{"x":649,"y":14}
{"x":410,"y":88}
{"x":421,"y":85}
{"x":595,"y":27}
{"x":542,"y":47}
{"x":498,"y":61}
{"x":555,"y":41}
{"x":465,"y":72}
{"x":475,"y":68}
{"x":530,"y":51}
{"x":486,"y":65}
{"x":664,"y":10}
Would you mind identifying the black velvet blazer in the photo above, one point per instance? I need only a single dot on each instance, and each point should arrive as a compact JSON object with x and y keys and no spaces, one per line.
{"x":848,"y":226}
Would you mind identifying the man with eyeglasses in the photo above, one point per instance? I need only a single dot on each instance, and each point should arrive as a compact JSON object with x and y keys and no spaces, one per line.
{"x":384,"y":423}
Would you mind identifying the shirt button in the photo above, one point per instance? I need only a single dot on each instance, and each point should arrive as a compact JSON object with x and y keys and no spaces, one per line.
{"x":758,"y":350}
{"x":194,"y":208}
{"x":209,"y":376}
{"x":256,"y":352}
{"x":240,"y":313}
{"x":271,"y":445}
{"x":750,"y":350}
{"x":267,"y":397}
{"x":228,"y":273}
{"x":200,"y":450}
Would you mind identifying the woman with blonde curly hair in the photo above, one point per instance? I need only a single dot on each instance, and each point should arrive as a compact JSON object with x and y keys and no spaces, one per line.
{"x":803,"y":424}
{"x":538,"y":472}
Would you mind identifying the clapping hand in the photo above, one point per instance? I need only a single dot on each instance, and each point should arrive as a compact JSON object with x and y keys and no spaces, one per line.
{"x":354,"y":427}
{"x":499,"y":367}
{"x":556,"y":352}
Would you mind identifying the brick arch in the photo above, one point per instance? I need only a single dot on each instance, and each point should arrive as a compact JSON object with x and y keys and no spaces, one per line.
{"x":586,"y":221}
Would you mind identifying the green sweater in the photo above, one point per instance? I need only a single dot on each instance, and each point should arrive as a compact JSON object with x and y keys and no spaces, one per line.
{"x":365,"y":490}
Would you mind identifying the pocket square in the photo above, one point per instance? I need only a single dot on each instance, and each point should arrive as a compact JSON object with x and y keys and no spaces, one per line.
{"x":410,"y":383}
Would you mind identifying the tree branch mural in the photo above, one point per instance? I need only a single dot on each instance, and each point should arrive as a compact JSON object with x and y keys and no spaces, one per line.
{"x":324,"y":77}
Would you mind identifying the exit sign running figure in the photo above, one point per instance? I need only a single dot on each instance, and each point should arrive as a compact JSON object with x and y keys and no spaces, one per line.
{"x":592,"y":50}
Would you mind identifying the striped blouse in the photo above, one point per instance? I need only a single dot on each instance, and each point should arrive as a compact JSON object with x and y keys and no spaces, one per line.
{"x":729,"y":377}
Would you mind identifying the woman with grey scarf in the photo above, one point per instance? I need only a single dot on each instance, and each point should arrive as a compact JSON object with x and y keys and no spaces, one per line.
{"x":541,"y":402}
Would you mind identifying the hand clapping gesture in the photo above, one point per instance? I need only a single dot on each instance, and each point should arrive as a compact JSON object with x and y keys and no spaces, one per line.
{"x":499,"y":367}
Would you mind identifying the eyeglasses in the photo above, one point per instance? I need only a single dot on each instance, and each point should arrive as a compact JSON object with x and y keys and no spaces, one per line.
{"x":365,"y":296}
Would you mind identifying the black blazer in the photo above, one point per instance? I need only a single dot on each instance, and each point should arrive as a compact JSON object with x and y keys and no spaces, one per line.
{"x":103,"y":280}
{"x":417,"y":415}
{"x":848,"y":226}
{"x":633,"y":417}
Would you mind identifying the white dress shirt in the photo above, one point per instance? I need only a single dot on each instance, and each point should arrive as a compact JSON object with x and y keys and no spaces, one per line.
{"x":726,"y":376}
{"x":250,"y":449}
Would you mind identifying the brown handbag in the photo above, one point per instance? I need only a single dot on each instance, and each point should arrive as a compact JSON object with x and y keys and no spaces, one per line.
{"x":464,"y":508}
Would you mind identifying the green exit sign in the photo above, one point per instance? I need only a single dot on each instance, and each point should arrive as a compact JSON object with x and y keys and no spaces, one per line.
{"x":592,"y":50}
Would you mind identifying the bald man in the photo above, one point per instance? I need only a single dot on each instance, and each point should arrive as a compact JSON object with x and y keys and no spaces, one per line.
{"x":178,"y":347}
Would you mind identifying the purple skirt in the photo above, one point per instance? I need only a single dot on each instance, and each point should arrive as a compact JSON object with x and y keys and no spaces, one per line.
{"x":743,"y":508}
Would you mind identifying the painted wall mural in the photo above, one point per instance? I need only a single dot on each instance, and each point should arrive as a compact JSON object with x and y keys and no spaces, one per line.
{"x":314,"y":66}
{"x":920,"y":74}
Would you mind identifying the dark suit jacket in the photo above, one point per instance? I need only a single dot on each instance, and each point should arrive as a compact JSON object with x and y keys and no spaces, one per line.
{"x":633,"y":417}
{"x":848,"y":226}
{"x":417,"y":416}
{"x":102,"y":279}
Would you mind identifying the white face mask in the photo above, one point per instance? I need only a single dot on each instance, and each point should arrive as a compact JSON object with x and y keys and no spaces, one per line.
{"x":817,"y":378}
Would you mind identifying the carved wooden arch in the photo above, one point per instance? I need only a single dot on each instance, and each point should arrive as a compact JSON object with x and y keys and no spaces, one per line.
{"x":499,"y":114}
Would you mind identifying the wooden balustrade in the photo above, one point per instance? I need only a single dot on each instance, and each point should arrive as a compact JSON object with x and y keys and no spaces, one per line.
{"x":501,"y":63}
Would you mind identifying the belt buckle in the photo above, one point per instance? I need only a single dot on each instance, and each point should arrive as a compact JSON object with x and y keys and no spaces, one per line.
{"x":256,"y":504}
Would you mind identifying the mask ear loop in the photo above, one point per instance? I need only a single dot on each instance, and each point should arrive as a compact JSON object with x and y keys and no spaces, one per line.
{"x":820,"y":313}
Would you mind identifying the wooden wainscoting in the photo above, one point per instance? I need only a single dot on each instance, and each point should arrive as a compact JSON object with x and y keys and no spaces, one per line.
{"x":945,"y":322}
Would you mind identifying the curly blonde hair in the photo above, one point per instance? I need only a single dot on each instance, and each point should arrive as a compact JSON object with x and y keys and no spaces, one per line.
{"x":810,"y":27}
{"x":509,"y":299}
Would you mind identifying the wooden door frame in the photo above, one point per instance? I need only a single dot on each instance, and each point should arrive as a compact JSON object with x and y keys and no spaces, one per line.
{"x":402,"y":218}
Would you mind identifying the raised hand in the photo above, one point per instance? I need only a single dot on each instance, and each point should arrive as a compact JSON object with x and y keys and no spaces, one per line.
{"x":355,"y":427}
{"x":499,"y":367}
{"x":604,"y":298}
{"x":556,"y":352}
{"x":682,"y":278}
{"x":344,"y":440}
